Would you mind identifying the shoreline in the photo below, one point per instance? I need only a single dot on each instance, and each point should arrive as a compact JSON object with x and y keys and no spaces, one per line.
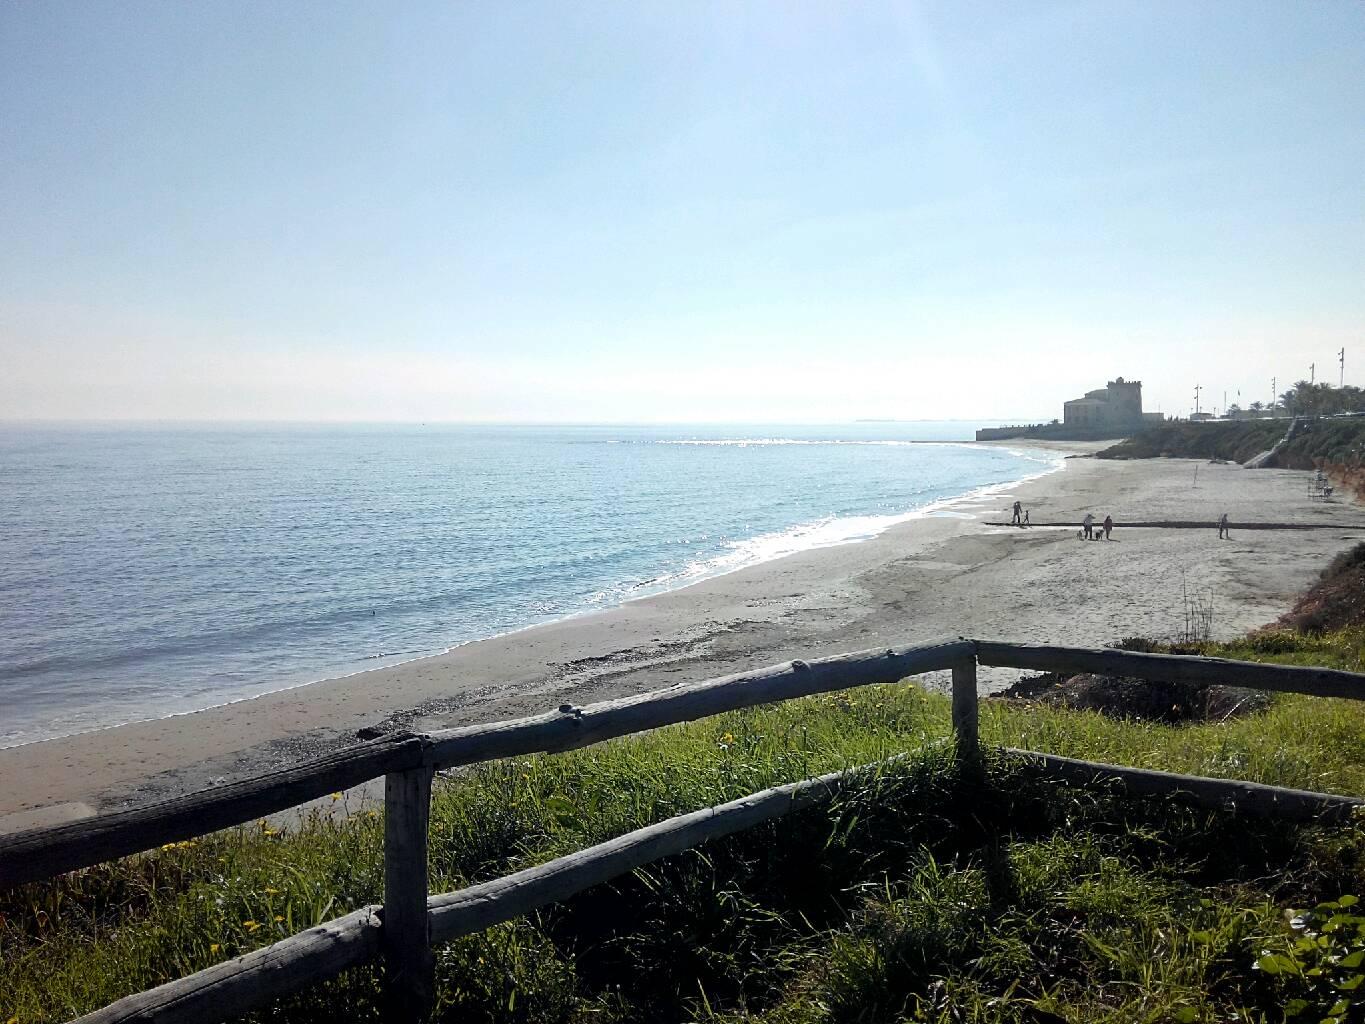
{"x":938,"y":506}
{"x":937,"y":574}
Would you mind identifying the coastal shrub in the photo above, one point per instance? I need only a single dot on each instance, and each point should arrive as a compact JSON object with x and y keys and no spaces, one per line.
{"x":1336,"y":444}
{"x":1321,"y":963}
{"x":1336,"y":601}
{"x":1352,"y":558}
{"x":1232,"y":442}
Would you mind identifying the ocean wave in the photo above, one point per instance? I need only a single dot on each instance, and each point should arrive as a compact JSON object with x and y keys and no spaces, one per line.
{"x":771,"y":442}
{"x":828,"y":531}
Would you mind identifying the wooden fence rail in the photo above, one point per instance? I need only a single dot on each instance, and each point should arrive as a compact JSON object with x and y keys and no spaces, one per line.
{"x":1233,"y":795}
{"x":349,"y":941}
{"x":572,"y":727}
{"x":482,"y":906}
{"x":403,"y":929}
{"x":43,"y":852}
{"x":236,"y":987}
{"x":1179,"y":668}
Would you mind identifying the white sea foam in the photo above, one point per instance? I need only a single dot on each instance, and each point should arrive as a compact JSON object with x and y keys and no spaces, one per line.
{"x":828,"y":531}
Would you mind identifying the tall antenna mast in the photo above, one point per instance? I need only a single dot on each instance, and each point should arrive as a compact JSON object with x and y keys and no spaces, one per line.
{"x":1312,"y":373}
{"x":1341,"y":358}
{"x":1274,"y":393}
{"x":1197,"y":389}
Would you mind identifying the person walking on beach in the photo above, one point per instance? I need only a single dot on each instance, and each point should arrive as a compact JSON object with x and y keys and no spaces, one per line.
{"x":1223,"y":532}
{"x":1108,"y":526}
{"x":1018,"y":515}
{"x":1088,"y":527}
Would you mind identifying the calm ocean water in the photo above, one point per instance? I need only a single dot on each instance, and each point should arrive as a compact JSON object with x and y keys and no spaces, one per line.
{"x":151,"y":570}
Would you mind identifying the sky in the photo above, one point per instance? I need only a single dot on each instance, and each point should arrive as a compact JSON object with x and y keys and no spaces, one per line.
{"x":646,"y":212}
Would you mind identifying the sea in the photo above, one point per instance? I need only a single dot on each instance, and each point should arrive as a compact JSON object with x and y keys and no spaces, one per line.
{"x":149,"y":570}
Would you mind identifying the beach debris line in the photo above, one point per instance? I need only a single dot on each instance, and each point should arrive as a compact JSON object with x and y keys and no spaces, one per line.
{"x":1197,"y":524}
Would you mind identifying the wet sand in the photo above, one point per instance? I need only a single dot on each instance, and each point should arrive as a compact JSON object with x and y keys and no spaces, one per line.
{"x":948,"y":575}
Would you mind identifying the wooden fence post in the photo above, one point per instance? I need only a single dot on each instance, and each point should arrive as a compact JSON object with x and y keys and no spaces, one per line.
{"x":965,"y":712}
{"x":409,"y":966}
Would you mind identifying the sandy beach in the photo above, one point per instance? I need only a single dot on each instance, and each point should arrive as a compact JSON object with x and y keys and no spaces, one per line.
{"x":947,"y":574}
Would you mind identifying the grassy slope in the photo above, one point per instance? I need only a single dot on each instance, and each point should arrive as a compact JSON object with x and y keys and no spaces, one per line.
{"x":1235,"y":442}
{"x":1013,"y":902}
{"x":1338,"y":442}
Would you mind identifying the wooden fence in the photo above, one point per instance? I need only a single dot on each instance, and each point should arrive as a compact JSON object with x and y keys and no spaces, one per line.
{"x":403,"y":929}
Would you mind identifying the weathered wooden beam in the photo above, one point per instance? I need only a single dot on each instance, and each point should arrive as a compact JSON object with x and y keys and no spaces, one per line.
{"x":1189,"y":524}
{"x":1318,"y":682}
{"x":230,"y":989}
{"x":1251,"y":798}
{"x":572,"y":727}
{"x":42,"y":852}
{"x":409,"y":966}
{"x":965,"y":709}
{"x":488,"y":903}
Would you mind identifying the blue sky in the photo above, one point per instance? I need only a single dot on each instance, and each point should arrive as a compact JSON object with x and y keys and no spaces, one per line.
{"x":654,"y":211}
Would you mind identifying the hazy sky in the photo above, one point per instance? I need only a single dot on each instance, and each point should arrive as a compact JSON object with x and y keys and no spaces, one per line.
{"x":673,"y":211}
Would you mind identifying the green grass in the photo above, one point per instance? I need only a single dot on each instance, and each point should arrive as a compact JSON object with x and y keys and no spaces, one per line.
{"x":914,"y":896}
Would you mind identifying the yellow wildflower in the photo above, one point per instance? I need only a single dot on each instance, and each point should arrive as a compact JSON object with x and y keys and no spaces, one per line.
{"x":272,"y":891}
{"x":729,"y":737}
{"x":214,"y":947}
{"x":336,"y":797}
{"x":278,"y":918}
{"x":251,"y":925}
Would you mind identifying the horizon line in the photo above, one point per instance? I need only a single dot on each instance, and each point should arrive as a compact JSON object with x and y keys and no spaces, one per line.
{"x":172,"y":420}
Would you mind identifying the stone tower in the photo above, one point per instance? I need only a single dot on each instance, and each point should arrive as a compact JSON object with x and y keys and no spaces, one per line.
{"x":1124,"y":398}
